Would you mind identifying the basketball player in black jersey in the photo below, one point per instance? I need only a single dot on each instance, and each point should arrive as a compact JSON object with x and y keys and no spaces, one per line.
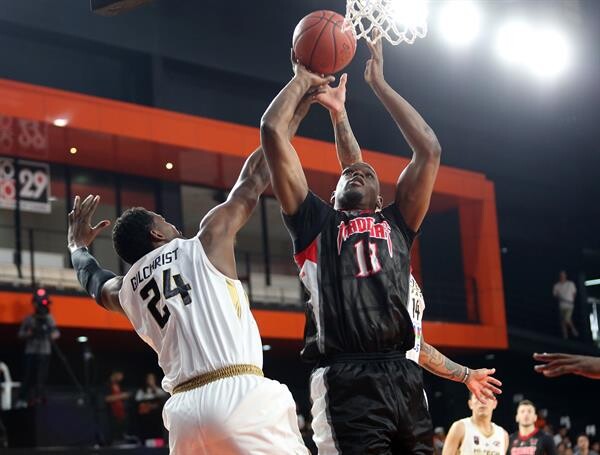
{"x":354,"y":260}
{"x":529,"y":440}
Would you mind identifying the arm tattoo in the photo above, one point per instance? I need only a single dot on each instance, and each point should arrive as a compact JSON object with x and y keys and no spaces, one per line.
{"x":347,"y":147}
{"x":437,"y":363}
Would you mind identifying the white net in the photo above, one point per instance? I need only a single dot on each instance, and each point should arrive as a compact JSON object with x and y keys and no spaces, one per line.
{"x":397,"y":20}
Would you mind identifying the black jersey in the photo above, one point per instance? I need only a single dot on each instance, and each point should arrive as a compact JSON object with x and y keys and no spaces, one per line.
{"x":356,"y":266}
{"x":535,"y":443}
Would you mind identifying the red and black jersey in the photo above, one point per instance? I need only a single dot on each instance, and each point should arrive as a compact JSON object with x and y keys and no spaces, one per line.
{"x":356,"y":267}
{"x":535,"y":443}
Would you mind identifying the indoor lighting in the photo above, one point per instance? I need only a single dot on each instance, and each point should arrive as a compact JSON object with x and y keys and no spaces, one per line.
{"x":411,"y":13}
{"x":550,"y":54}
{"x":543,"y":51}
{"x":513,"y":41}
{"x":595,"y":282}
{"x":73,"y":150}
{"x":169,"y":165}
{"x":460,"y":22}
{"x":60,"y":122}
{"x":82,"y":339}
{"x":266,"y":347}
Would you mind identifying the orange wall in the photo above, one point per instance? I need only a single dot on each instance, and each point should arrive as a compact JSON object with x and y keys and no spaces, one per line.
{"x":477,"y":207}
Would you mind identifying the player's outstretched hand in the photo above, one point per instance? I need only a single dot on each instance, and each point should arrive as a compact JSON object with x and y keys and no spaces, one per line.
{"x":556,"y":364}
{"x":483,"y":385}
{"x":81,"y":233}
{"x":333,"y":98}
{"x":315,"y":80}
{"x":374,"y":66}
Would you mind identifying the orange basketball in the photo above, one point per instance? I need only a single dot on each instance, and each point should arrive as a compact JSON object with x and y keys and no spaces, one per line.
{"x":320,"y":44}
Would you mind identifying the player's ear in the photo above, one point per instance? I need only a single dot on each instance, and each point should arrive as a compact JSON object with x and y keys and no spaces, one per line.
{"x":156,"y":235}
{"x":379,"y":202}
{"x":332,"y":199}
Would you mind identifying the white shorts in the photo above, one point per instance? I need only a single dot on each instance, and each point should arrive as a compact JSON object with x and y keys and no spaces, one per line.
{"x":239,"y":415}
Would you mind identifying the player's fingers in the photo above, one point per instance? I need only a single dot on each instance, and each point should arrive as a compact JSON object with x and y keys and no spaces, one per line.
{"x":545,"y":357}
{"x":76,"y":203}
{"x":492,"y":380}
{"x":88,"y":206}
{"x":554,"y":372}
{"x":94,"y":205}
{"x":343,"y":80}
{"x":101,"y":225}
{"x":480,"y":397}
{"x":494,"y":390}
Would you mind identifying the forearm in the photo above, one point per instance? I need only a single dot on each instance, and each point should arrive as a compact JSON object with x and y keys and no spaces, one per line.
{"x":437,"y":363}
{"x":415,"y":130}
{"x":280,"y":113}
{"x":346,"y":145}
{"x":89,"y":273}
{"x":299,"y":114}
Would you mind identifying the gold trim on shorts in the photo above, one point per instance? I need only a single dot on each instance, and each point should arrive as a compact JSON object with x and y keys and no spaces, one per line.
{"x":212,"y":376}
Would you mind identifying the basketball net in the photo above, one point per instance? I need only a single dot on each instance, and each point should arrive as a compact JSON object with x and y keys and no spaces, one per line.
{"x":399,"y":21}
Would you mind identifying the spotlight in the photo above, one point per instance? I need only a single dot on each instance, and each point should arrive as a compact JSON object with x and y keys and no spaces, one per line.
{"x":460,"y":22}
{"x":82,"y":339}
{"x":411,"y":13}
{"x":514,"y":40}
{"x":73,"y":150}
{"x":60,"y":122}
{"x":550,"y":53}
{"x":266,"y":347}
{"x":169,"y":165}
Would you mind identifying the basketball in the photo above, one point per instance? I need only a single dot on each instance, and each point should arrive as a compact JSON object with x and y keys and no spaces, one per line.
{"x":321,"y":45}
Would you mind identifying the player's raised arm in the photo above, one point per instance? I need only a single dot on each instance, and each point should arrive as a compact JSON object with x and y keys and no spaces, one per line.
{"x":479,"y":382}
{"x":102,"y":285}
{"x":415,"y":184}
{"x":287,"y":175}
{"x":346,"y":145}
{"x":557,"y":364}
{"x":220,"y":226}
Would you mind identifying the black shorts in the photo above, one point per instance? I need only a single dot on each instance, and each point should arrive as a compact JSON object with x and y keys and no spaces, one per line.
{"x":370,"y":404}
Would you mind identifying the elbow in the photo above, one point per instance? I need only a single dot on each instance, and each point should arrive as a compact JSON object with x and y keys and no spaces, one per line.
{"x":434,"y":149}
{"x":270,"y":128}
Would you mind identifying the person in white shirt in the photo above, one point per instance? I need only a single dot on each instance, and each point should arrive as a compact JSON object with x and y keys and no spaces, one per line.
{"x":564,"y":292}
{"x":477,"y":435}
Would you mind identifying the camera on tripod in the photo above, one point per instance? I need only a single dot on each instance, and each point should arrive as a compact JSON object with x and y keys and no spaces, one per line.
{"x":41,"y":302}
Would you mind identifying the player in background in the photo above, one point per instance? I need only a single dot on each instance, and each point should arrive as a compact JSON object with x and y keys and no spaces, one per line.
{"x":183,"y":298}
{"x":348,"y":153}
{"x":477,"y":435}
{"x":529,"y":440}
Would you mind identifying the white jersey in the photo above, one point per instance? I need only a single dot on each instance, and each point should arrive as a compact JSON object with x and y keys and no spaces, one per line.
{"x":475,"y":443}
{"x":194,"y":317}
{"x":415,"y":307}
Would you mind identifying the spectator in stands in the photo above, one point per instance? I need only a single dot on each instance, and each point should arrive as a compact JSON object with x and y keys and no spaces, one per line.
{"x":38,"y":330}
{"x":439,"y":436}
{"x":117,"y":410}
{"x":583,"y":446}
{"x":596,"y":446}
{"x":150,"y":400}
{"x":564,"y":292}
{"x":561,"y":437}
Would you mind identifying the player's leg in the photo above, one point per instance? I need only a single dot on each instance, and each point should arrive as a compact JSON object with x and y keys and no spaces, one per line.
{"x":352,"y":409}
{"x":265,"y":421}
{"x":569,"y":320}
{"x":415,"y":435}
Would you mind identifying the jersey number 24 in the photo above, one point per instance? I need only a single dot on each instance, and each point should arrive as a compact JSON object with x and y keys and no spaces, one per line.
{"x":152,"y":291}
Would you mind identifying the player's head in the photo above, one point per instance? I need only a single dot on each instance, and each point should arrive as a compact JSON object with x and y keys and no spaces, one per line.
{"x":583,"y":443}
{"x":357,"y":189}
{"x":562,"y":275}
{"x":481,"y":410}
{"x":138,"y":231}
{"x":526,"y":413}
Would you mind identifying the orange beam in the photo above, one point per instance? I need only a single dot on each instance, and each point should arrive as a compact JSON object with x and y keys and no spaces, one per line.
{"x":84,"y":313}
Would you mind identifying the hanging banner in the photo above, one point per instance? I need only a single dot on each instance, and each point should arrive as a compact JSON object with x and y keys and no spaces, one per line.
{"x":34,"y":183}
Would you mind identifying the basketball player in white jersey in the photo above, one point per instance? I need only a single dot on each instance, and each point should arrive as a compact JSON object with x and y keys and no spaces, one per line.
{"x":479,"y":382}
{"x":477,"y":435}
{"x":183,"y":298}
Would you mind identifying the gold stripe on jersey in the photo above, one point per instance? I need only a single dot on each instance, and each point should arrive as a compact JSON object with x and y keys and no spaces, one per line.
{"x":235,"y":298}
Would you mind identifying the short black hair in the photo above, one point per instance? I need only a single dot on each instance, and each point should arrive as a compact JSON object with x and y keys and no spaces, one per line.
{"x":131,"y":234}
{"x":527,"y":403}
